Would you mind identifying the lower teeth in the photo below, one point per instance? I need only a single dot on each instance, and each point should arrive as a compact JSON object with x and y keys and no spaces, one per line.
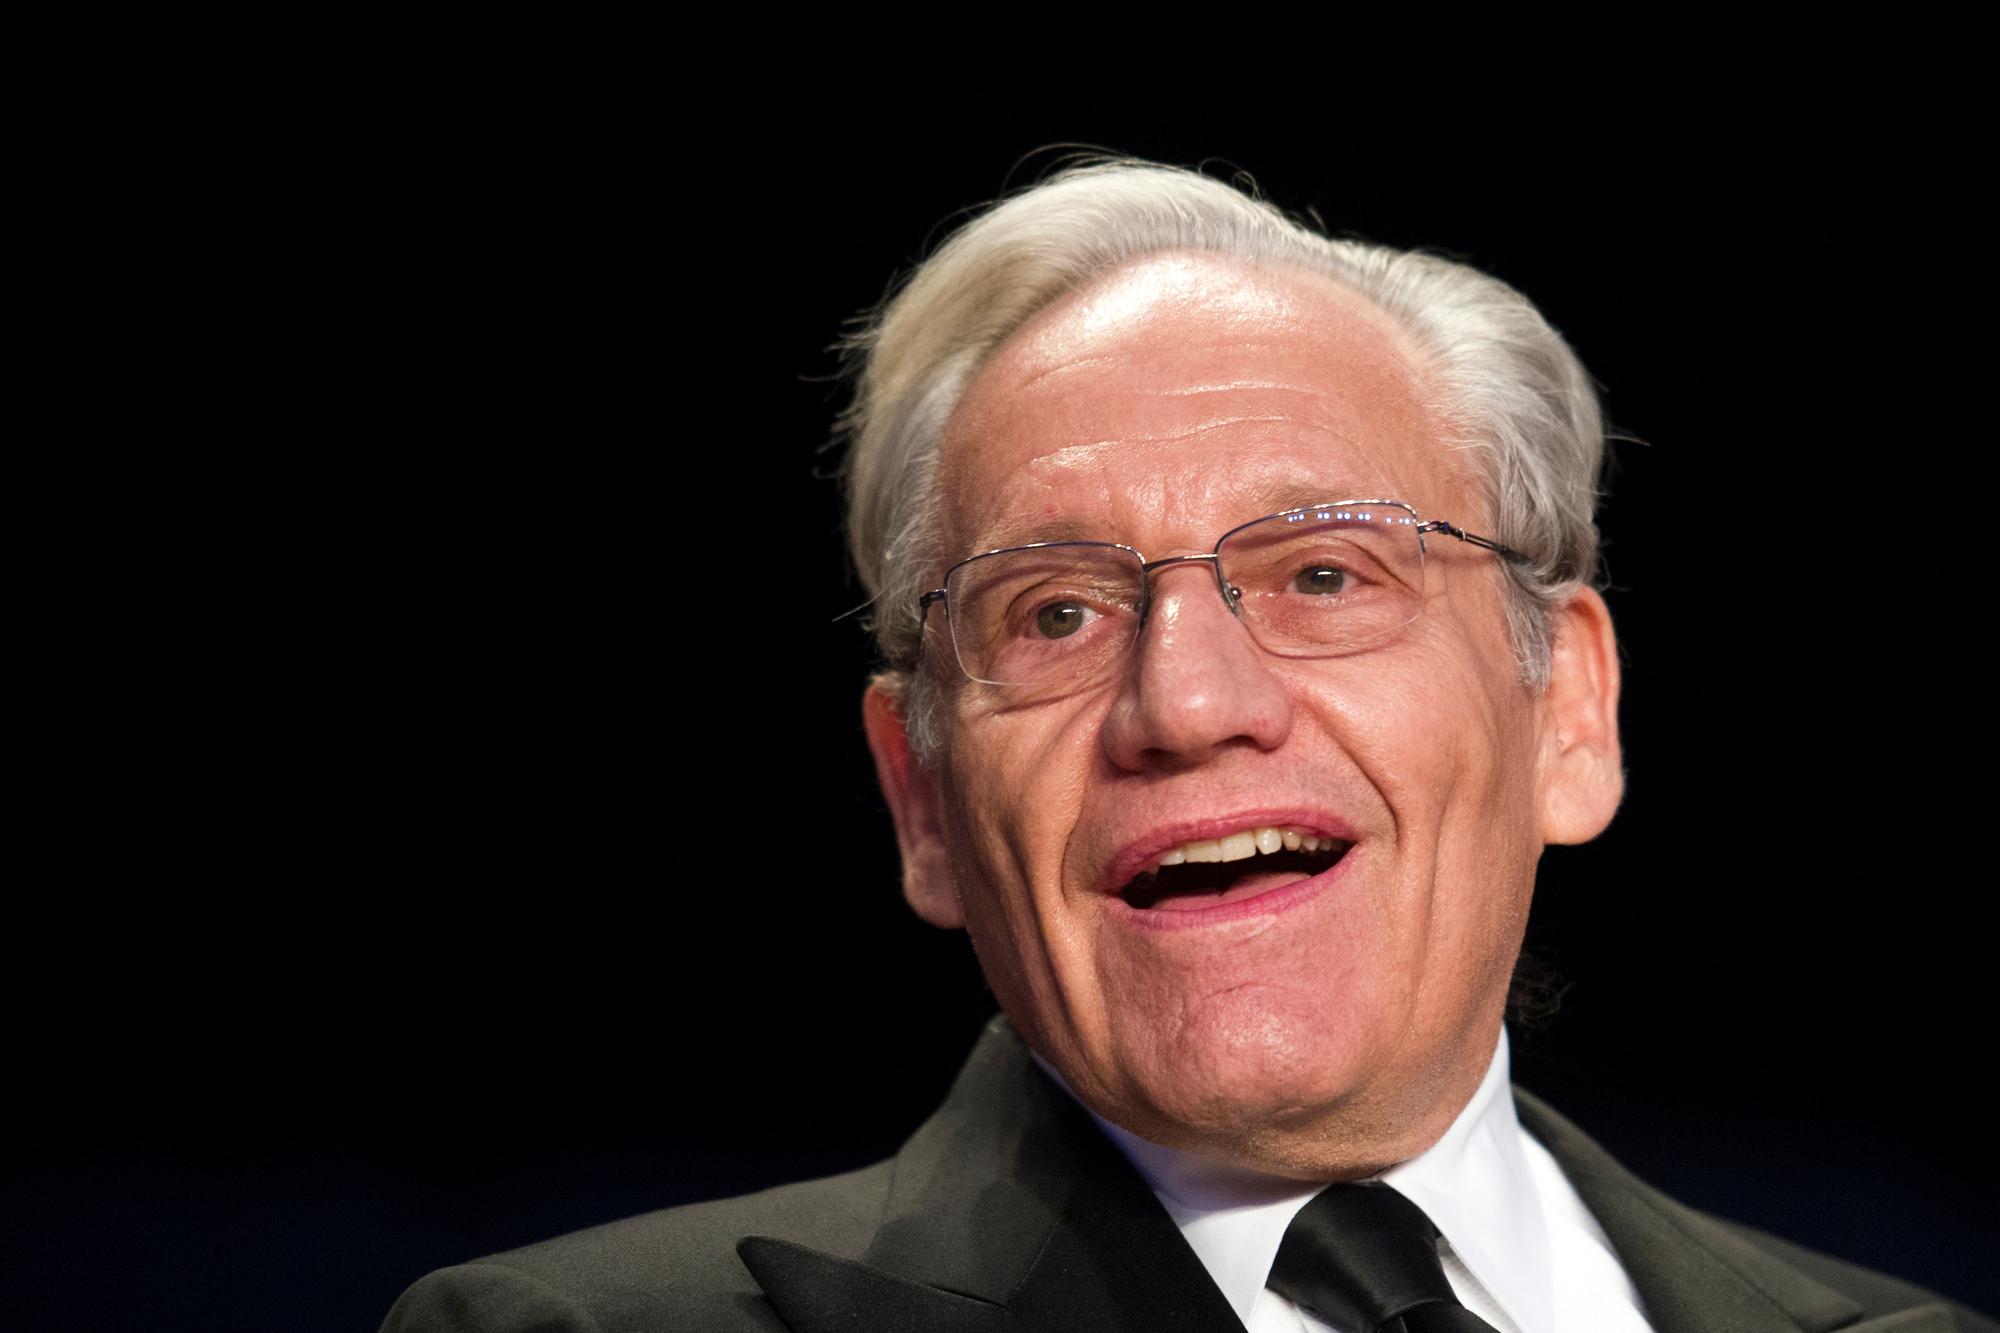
{"x":1199,"y":881}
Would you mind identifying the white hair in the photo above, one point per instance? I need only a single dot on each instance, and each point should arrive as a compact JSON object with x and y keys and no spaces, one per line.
{"x":1511,"y":394}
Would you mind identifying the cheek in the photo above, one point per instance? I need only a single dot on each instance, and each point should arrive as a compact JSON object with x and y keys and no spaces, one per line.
{"x":1471,"y":779}
{"x":1446,"y":736}
{"x":1020,"y":772}
{"x":1017,"y":781}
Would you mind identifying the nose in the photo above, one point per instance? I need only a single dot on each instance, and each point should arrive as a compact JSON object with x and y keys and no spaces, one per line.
{"x":1198,"y":682}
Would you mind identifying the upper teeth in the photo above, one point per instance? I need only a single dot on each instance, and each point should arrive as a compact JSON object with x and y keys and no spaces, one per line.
{"x":1249,"y":842}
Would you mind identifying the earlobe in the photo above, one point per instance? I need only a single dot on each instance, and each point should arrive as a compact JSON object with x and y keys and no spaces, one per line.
{"x":916,"y":805}
{"x":1583,"y":772}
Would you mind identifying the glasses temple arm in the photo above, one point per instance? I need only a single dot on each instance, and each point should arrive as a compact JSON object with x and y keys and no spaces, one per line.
{"x":1508,"y":552}
{"x":923,"y":613}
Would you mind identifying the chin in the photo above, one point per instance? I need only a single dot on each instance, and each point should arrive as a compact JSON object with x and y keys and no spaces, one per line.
{"x":1247,"y":1077}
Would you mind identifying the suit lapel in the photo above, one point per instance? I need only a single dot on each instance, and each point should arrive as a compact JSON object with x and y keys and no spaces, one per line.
{"x":1693,"y":1274}
{"x":1008,"y":1210}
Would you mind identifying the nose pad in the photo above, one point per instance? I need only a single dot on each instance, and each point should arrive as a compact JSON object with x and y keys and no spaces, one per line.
{"x":1232,"y":597}
{"x":1195,"y":686}
{"x":1188,"y":608}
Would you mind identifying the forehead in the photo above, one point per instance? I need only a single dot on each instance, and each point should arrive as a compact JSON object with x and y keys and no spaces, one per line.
{"x":1182,"y":394}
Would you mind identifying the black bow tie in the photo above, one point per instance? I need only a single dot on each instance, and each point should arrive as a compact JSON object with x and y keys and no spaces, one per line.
{"x":1365,"y":1257}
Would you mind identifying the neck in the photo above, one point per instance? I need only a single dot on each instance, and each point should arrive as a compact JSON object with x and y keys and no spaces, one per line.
{"x":1267,"y":1163}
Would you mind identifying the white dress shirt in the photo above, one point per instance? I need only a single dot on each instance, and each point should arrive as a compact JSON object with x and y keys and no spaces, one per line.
{"x":1518,"y":1246}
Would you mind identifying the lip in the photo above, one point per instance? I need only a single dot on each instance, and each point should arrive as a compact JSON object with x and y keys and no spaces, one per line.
{"x":1149,"y":846}
{"x":1271,"y":902}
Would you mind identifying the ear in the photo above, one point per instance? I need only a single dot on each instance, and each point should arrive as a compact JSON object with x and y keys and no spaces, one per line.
{"x":917,"y":806}
{"x":1583,"y":772}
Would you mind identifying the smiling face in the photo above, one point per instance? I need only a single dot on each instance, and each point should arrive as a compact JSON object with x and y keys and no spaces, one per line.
{"x":1314,"y":1012}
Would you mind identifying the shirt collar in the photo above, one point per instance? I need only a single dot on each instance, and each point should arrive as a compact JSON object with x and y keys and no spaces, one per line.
{"x":1473,"y":1182}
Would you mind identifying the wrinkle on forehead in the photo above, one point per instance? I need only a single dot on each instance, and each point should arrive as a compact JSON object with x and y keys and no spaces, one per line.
{"x":1221,"y":376}
{"x":1247,"y":304}
{"x":1236,"y":291}
{"x":1090,"y":493}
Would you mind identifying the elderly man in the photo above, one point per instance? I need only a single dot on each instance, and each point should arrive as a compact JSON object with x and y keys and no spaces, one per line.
{"x":1234,"y":586}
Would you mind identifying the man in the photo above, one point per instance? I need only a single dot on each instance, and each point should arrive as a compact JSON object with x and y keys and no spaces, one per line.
{"x":1234,"y":586}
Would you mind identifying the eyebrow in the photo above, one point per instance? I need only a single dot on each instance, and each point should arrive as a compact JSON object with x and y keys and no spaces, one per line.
{"x":1304,"y":495}
{"x":1031,"y":533}
{"x":1278,"y":500}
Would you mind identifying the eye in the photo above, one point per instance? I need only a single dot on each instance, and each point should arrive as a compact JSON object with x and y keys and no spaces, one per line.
{"x":1321,"y":580}
{"x":1059,"y":620}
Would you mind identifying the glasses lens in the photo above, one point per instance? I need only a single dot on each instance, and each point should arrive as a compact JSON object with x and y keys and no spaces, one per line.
{"x":1059,"y":615}
{"x":1322,"y":582}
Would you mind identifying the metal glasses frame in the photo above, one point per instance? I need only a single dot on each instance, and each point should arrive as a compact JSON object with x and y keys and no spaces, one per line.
{"x":1231,"y":597}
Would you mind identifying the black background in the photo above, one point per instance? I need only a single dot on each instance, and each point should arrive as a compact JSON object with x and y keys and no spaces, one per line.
{"x":516,"y":865}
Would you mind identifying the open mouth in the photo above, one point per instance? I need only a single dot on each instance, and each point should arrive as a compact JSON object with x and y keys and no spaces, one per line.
{"x":1204,"y":874}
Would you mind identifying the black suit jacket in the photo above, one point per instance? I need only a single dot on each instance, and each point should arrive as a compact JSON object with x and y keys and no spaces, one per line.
{"x":1010,"y":1210}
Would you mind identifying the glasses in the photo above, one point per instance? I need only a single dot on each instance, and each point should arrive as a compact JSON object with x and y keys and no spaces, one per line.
{"x":1324,"y":580}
